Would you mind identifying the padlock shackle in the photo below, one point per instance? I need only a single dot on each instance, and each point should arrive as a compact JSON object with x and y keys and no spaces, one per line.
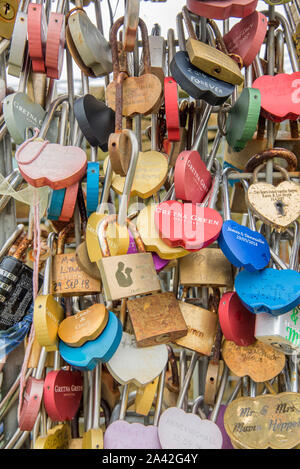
{"x":187,"y":379}
{"x":288,"y":39}
{"x":216,"y":185}
{"x":295,"y":248}
{"x":50,"y":114}
{"x":225,"y":194}
{"x":180,"y":32}
{"x":220,"y":394}
{"x":196,"y":407}
{"x":188,"y":23}
{"x":124,"y":402}
{"x":171,"y":47}
{"x":48,"y":264}
{"x":159,"y":397}
{"x":114,"y":47}
{"x":97,"y":396}
{"x":279,"y":44}
{"x":129,"y":177}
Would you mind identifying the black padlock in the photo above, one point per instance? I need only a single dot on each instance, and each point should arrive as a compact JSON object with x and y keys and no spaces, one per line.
{"x":16,"y":288}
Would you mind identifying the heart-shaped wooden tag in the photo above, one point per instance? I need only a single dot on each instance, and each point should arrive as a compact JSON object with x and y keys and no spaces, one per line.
{"x":125,"y":435}
{"x":140,"y":366}
{"x":246,"y":37}
{"x":177,"y":430}
{"x":187,"y":225}
{"x":87,"y":325}
{"x":92,"y":352}
{"x":140,"y":95}
{"x":280,"y":96}
{"x":150,"y":236}
{"x":267,"y":421}
{"x":222,"y":9}
{"x":278,"y":206}
{"x":40,"y":164}
{"x":150,"y":174}
{"x":191,"y":178}
{"x":62,"y":394}
{"x":269,"y":291}
{"x":236,"y":321}
{"x":259,"y":361}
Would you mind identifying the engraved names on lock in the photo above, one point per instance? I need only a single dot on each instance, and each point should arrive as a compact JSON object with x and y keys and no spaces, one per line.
{"x":266,"y":421}
{"x":68,"y":278}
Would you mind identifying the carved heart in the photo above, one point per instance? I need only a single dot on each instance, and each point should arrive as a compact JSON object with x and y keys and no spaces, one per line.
{"x":125,"y":435}
{"x":92,"y":352}
{"x":62,"y":394}
{"x":278,"y":206}
{"x":150,"y":174}
{"x":246,"y":37}
{"x":137,"y":365}
{"x":280,"y":96}
{"x":187,"y":225}
{"x":191,"y":178}
{"x":259,"y":361}
{"x":269,"y":291}
{"x":177,"y":430}
{"x":87,"y":325}
{"x":267,"y":421}
{"x":244,"y":247}
{"x":236,"y":321}
{"x":20,"y":113}
{"x":40,"y":164}
{"x":140,"y":94}
{"x":222,"y":9}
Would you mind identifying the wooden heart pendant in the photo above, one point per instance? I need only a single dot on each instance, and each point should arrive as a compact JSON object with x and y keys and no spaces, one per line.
{"x":277,"y":206}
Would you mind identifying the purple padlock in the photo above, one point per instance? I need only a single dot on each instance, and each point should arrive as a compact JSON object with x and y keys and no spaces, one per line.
{"x":159,"y":263}
{"x":124,"y":435}
{"x":220,"y":422}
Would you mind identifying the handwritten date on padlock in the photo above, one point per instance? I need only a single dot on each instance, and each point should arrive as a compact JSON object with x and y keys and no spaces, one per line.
{"x":51,"y":165}
{"x":280,"y":96}
{"x":244,"y":247}
{"x":187,"y":225}
{"x":191,"y":178}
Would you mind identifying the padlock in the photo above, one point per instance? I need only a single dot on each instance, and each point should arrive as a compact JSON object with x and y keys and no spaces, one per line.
{"x":202,"y":224}
{"x":259,"y":361}
{"x":67,"y":277}
{"x":157,"y":48}
{"x":196,"y":83}
{"x":18,"y":41}
{"x":131,"y":20}
{"x":192,"y":432}
{"x":211,"y":61}
{"x":141,"y":95}
{"x":118,"y":242}
{"x":145,"y":397}
{"x":55,"y":45}
{"x":122,"y":434}
{"x":91,"y":46}
{"x":16,"y":286}
{"x":48,"y":313}
{"x":21,"y":113}
{"x":281,"y":332}
{"x":222,"y":9}
{"x":242,"y":246}
{"x":277,"y":206}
